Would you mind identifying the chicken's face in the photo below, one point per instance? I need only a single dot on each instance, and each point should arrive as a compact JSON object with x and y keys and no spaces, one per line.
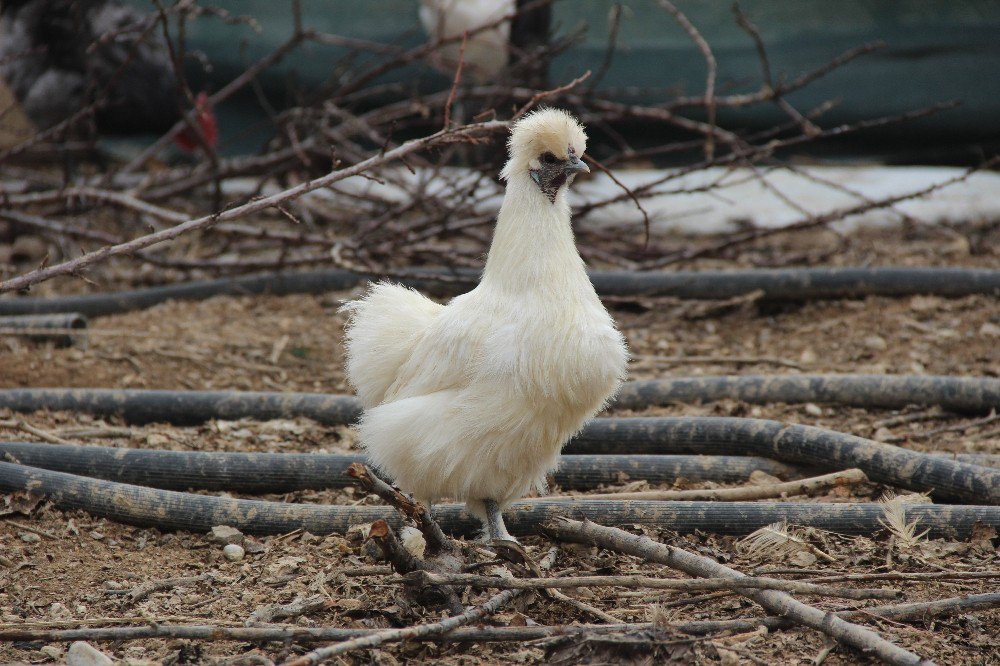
{"x":547,"y":145}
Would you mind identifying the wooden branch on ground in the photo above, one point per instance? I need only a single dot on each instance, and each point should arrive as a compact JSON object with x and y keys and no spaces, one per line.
{"x":403,"y":561}
{"x":436,"y":539}
{"x":271,"y":612}
{"x":699,"y":585}
{"x":30,"y":631}
{"x":930,"y":609}
{"x":143,"y":590}
{"x":810,"y":486}
{"x":858,"y":637}
{"x":18,"y":424}
{"x":583,"y":606}
{"x":486,"y":609}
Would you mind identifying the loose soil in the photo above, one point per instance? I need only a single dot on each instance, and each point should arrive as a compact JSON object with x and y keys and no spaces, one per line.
{"x":64,"y":569}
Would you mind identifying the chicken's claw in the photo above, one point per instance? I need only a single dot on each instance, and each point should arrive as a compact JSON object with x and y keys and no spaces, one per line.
{"x":514,"y":552}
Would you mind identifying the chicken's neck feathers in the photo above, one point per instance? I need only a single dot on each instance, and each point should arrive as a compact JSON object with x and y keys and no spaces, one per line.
{"x":533,"y":249}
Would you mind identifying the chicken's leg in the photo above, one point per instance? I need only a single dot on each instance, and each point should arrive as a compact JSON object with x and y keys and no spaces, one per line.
{"x":494,"y":522}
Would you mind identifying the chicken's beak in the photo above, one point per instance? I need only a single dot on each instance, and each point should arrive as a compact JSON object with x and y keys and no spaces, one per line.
{"x":575,"y":165}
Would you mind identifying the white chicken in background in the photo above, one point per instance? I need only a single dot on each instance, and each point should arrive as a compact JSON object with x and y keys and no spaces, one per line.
{"x":486,"y":52}
{"x":473,"y":400}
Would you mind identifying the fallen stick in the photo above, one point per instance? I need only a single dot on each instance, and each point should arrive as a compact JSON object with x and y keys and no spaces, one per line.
{"x":166,"y":510}
{"x":17,"y":424}
{"x":858,"y":637}
{"x":699,"y":585}
{"x":901,"y":575}
{"x":436,"y":540}
{"x":285,"y":634}
{"x":490,"y":607}
{"x":583,"y":606}
{"x":271,"y":612}
{"x":810,"y":486}
{"x":927,"y":609}
{"x":143,"y":590}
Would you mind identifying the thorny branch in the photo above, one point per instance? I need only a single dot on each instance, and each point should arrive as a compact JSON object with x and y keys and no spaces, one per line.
{"x":361,"y":212}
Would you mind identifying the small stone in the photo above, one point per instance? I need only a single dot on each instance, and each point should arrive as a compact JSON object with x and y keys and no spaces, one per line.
{"x":58,"y":610}
{"x":156,"y":439}
{"x":53,"y":652}
{"x":925,"y":303}
{"x":233,"y":552}
{"x":876,"y":343}
{"x":762,"y":478}
{"x":85,"y":654}
{"x":803,"y":558}
{"x":28,"y":537}
{"x":990,"y":329}
{"x":253,"y":546}
{"x":808,"y":357}
{"x":883,"y":434}
{"x":812,"y":409}
{"x":226,"y":535}
{"x":96,"y":536}
{"x":413,"y":541}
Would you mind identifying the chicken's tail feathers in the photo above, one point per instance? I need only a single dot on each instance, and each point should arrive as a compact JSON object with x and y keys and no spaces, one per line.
{"x":382,"y":328}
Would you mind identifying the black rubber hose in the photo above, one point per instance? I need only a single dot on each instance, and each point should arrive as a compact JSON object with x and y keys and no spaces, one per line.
{"x":972,"y":395}
{"x":776,"y":284}
{"x":968,"y":395}
{"x":256,"y":473}
{"x":947,"y":480}
{"x":166,"y":509}
{"x":63,"y":328}
{"x":186,"y":407}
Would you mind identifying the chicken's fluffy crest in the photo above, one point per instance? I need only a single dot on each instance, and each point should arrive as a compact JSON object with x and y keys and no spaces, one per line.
{"x":545,"y":130}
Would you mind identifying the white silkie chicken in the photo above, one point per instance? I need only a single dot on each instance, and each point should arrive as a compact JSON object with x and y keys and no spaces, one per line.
{"x":473,"y":400}
{"x":486,"y":51}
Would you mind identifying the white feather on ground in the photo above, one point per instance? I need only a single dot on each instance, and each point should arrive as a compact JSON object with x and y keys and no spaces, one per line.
{"x":473,"y":400}
{"x":894,"y":518}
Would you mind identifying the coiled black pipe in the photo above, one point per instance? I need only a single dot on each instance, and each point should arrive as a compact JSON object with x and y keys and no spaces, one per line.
{"x":166,"y":509}
{"x":256,"y":473}
{"x":63,"y":328}
{"x":946,"y":479}
{"x":185,"y":407}
{"x":949,"y":480}
{"x":969,"y":395}
{"x":972,"y":395}
{"x":776,"y":284}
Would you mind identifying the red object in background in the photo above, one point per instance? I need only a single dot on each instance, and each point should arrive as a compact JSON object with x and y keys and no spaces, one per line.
{"x":186,"y":139}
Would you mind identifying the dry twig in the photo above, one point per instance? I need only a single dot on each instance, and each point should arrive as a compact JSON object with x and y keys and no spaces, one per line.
{"x":632,"y":581}
{"x":488,"y":608}
{"x":844,"y":632}
{"x":810,"y":486}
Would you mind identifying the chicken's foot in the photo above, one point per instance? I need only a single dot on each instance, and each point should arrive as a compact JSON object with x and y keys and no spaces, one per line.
{"x":507,"y":547}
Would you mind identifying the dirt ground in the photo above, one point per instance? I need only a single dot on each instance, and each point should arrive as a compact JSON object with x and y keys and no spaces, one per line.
{"x":66,"y":569}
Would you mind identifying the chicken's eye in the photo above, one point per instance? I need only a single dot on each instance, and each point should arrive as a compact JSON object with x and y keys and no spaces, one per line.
{"x":549,"y":158}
